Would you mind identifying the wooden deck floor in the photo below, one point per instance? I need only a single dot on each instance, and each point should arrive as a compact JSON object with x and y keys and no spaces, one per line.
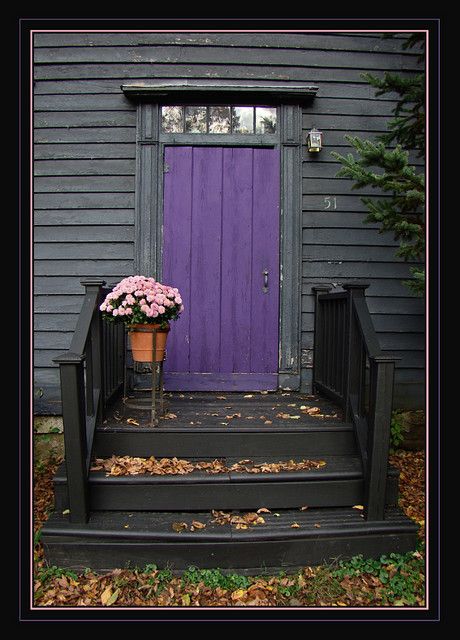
{"x":241,"y":411}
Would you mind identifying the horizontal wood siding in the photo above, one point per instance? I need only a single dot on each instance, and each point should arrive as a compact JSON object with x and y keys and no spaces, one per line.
{"x":84,"y":172}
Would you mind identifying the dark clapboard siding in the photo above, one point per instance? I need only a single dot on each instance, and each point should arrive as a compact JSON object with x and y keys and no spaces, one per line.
{"x":85,"y":169}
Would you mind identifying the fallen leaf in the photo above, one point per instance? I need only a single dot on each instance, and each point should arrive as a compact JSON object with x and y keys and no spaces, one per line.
{"x":264,"y":393}
{"x":66,"y":512}
{"x":263,"y":510}
{"x":268,"y":422}
{"x":198,"y":525}
{"x":292,"y":405}
{"x":126,"y":526}
{"x":294,"y":417}
{"x":179,"y":526}
{"x":106,"y":595}
{"x":358,"y":506}
{"x":186,"y":600}
{"x":238,"y":594}
{"x":302,"y":407}
{"x":248,"y":396}
{"x":303,"y":508}
{"x":170,"y":416}
{"x":222,"y":397}
{"x":295,"y":525}
{"x":317,"y":526}
{"x":131,"y":421}
{"x":113,"y":598}
{"x":277,"y":515}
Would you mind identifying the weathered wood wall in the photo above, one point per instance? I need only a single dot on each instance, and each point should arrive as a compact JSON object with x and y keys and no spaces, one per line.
{"x":85,"y":173}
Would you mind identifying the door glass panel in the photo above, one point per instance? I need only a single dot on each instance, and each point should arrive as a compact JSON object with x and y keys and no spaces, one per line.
{"x":195,"y":119}
{"x":219,"y":119}
{"x":172,"y":119}
{"x":243,"y":119}
{"x":265,"y":119}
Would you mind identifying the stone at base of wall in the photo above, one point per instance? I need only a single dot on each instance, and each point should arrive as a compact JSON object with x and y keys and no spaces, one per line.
{"x":413,"y":424}
{"x":48,"y":424}
{"x":49,"y":445}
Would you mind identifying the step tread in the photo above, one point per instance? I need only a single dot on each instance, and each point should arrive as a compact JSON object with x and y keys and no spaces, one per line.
{"x":337,"y":467}
{"x":204,"y":412}
{"x":158,"y":526}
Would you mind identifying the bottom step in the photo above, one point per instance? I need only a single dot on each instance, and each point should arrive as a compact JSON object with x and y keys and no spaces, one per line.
{"x":134,"y":539}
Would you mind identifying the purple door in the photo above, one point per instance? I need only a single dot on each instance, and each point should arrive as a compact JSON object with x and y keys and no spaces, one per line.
{"x":221,"y":249}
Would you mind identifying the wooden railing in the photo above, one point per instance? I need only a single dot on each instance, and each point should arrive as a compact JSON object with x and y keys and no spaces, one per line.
{"x":350,"y":368}
{"x":90,"y":372}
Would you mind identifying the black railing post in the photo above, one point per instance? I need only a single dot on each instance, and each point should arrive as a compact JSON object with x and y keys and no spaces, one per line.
{"x":71,"y":368}
{"x":318,"y":337}
{"x":94,"y":285}
{"x":378,"y":439}
{"x":353,"y":346}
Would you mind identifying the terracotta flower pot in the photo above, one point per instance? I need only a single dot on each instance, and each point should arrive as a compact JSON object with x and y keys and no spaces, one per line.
{"x":142,"y":342}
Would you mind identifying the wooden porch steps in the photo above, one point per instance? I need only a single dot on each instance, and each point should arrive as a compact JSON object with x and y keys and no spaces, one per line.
{"x":114,"y":539}
{"x":338,"y":483}
{"x":131,"y":517}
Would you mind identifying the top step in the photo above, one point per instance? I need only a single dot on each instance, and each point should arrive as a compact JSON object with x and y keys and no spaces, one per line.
{"x":232,"y":424}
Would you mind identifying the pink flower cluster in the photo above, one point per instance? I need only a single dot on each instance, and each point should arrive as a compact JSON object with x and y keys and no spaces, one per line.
{"x":141,"y":300}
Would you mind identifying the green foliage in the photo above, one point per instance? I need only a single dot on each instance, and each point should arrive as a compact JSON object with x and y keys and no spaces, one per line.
{"x":159,"y":579}
{"x":214,"y":578}
{"x":48,"y":573}
{"x":401,"y":575}
{"x":323,"y":586}
{"x":396,"y":430}
{"x":390,"y":171}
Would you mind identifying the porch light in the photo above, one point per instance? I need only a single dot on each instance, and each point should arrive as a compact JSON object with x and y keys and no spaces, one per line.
{"x":314,"y":140}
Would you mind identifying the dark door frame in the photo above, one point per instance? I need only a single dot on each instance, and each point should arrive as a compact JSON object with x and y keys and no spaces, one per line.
{"x":149,"y":212}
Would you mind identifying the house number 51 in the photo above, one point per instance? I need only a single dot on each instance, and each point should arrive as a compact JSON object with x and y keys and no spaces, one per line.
{"x":330,"y":202}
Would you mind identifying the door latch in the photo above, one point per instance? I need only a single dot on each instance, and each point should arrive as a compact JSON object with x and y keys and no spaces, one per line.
{"x":265,"y":275}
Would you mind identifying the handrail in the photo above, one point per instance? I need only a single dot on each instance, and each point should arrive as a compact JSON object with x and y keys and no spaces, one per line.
{"x":82,"y":393}
{"x":350,"y":368}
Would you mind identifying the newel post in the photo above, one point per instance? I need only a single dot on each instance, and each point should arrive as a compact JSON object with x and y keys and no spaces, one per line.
{"x":352,"y":348}
{"x":71,"y":368}
{"x":94,"y":286}
{"x":378,"y":437}
{"x":318,"y":335}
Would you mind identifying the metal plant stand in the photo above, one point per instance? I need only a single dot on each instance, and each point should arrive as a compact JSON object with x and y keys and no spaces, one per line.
{"x":155,"y":401}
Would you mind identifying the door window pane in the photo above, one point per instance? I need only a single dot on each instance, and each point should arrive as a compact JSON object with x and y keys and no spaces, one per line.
{"x":172,"y":119}
{"x":265,"y":119}
{"x":195,"y":119}
{"x":219,"y":119}
{"x":243,"y":119}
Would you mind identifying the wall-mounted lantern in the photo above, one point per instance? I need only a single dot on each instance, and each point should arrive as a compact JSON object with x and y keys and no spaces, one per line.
{"x":314,"y":140}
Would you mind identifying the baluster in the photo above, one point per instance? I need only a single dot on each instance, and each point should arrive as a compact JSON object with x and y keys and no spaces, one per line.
{"x":319,"y":335}
{"x":353,"y":345}
{"x":89,"y":377}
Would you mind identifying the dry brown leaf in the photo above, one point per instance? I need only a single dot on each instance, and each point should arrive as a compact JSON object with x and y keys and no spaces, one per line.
{"x":198,"y":525}
{"x":358,"y":506}
{"x":106,"y":595}
{"x":295,"y":525}
{"x":268,"y":422}
{"x":132,"y":421}
{"x":170,"y":416}
{"x":248,"y":396}
{"x":263,"y":510}
{"x":317,"y":526}
{"x":304,"y":508}
{"x":179,"y":526}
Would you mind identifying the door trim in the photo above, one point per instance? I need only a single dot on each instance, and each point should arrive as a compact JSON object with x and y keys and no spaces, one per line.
{"x":149,"y":217}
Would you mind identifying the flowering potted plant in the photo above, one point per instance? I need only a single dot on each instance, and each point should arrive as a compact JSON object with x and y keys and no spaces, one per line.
{"x":143,"y":303}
